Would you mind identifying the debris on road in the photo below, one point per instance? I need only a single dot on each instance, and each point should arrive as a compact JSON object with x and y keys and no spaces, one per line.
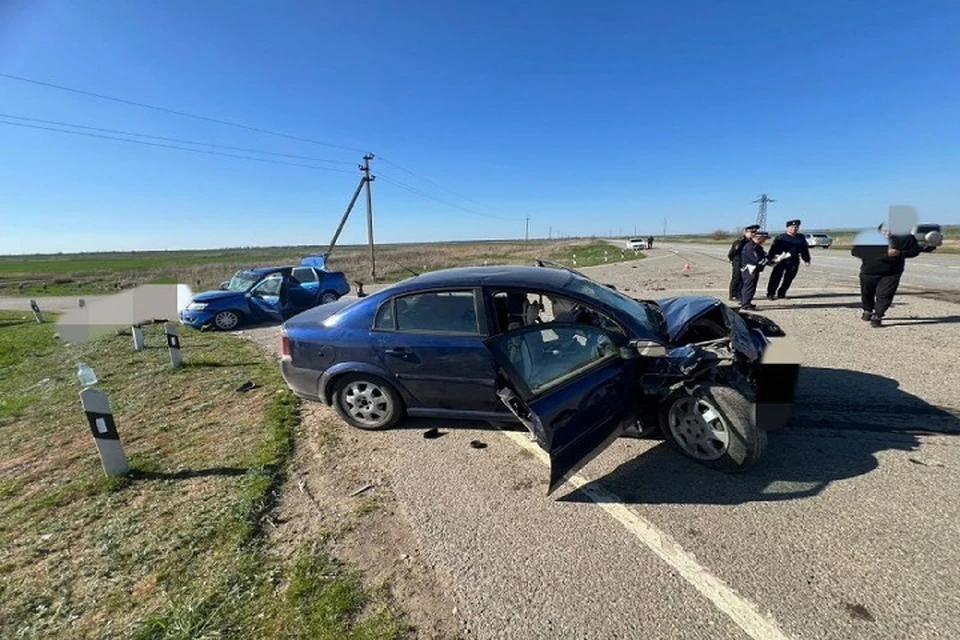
{"x":477,"y":444}
{"x":365,"y":487}
{"x":246,"y":386}
{"x":430,"y":434}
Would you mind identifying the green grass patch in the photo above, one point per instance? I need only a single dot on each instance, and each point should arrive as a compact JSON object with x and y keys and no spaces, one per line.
{"x":176,"y":547}
{"x":589,"y":254}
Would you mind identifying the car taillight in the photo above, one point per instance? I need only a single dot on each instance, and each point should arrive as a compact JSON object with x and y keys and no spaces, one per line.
{"x":284,"y":346}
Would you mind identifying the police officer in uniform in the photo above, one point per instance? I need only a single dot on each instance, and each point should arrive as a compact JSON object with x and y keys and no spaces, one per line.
{"x":754,"y":259}
{"x":736,"y":263}
{"x":793,"y":248}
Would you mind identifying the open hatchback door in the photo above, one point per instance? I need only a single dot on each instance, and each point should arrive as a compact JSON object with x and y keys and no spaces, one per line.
{"x":573,"y":386}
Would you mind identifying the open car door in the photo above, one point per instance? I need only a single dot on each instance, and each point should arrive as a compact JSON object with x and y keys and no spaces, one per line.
{"x":574,"y":386}
{"x":267,"y":298}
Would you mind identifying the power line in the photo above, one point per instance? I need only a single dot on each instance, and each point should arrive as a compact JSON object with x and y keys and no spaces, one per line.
{"x":175,"y":112}
{"x":429,"y":196}
{"x":394,"y":164}
{"x":152,"y":137}
{"x":229,"y":124}
{"x":168,"y":146}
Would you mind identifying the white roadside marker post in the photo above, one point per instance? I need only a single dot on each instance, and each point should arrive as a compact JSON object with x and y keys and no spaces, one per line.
{"x":137,"y":338}
{"x":104,"y":430}
{"x":173,"y":343}
{"x":37,"y":314}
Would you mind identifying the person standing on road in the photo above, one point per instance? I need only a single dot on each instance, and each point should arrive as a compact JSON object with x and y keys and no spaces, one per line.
{"x":650,"y":242}
{"x":754,"y":259}
{"x":883,"y":259}
{"x":736,"y":264}
{"x":792,"y":247}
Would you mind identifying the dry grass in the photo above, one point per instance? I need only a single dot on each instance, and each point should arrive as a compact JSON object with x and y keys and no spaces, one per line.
{"x":202,"y":270}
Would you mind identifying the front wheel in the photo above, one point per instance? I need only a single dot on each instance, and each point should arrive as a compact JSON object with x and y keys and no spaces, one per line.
{"x":226,"y":320}
{"x":367,"y":402}
{"x":328,"y":297}
{"x":714,"y":425}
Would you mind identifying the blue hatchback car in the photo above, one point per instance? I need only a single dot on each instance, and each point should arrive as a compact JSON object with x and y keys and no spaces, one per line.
{"x":266,"y":294}
{"x":573,"y":360}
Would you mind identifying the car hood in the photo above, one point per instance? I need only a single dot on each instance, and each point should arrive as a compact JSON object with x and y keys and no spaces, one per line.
{"x":680,"y":311}
{"x":210,"y":296}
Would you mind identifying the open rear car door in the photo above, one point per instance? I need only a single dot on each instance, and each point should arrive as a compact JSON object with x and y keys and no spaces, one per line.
{"x":573,"y":386}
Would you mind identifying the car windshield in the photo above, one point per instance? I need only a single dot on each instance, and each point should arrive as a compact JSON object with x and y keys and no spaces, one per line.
{"x":643,"y":314}
{"x":242,"y":280}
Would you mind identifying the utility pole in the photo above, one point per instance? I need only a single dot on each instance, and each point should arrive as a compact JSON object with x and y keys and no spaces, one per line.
{"x":664,"y":226}
{"x":762,"y":214}
{"x":527,"y":237}
{"x":365,"y":167}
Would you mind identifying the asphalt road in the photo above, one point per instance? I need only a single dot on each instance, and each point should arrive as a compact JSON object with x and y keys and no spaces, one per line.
{"x":847,"y":529}
{"x":936,"y":271}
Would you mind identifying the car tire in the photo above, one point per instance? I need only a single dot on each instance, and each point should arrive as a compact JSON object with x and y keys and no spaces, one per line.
{"x":328,"y":296}
{"x":714,"y":425}
{"x":227,"y":320}
{"x":367,"y":402}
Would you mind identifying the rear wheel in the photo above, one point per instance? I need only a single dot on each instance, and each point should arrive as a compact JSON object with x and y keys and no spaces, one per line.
{"x":367,"y":402}
{"x":714,"y":425}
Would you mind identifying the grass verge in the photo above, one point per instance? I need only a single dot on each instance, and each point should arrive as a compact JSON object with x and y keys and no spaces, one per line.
{"x":176,"y":547}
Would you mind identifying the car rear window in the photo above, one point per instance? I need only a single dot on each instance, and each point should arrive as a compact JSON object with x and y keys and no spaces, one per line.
{"x":927,"y":228}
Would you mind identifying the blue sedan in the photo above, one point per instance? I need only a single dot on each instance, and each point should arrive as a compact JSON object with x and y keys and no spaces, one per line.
{"x":263,"y":295}
{"x":574,"y":361}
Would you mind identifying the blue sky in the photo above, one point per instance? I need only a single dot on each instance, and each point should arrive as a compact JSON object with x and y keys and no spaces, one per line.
{"x":588,"y":117}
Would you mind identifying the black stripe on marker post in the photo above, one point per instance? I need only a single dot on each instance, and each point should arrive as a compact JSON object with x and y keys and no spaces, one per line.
{"x":102,"y":425}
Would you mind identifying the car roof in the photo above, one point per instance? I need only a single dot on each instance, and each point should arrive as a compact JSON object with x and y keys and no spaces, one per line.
{"x":498,"y":275}
{"x":266,"y":270}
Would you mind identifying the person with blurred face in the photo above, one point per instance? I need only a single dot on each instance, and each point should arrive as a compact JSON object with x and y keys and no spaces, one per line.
{"x":754,"y":259}
{"x":882,"y":264}
{"x":792,"y":247}
{"x":736,"y":264}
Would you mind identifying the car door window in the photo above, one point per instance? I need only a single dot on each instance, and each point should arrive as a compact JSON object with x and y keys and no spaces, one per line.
{"x":516,"y":309}
{"x":304,"y":275}
{"x":441,"y":312}
{"x":270,"y":286}
{"x":550,"y":356}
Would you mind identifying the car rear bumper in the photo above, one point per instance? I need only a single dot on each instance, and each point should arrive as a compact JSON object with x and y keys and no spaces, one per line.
{"x":305,"y":383}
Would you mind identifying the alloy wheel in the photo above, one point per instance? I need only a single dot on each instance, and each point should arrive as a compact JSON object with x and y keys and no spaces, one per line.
{"x":367,"y":403}
{"x":698,"y":428}
{"x":226,"y":320}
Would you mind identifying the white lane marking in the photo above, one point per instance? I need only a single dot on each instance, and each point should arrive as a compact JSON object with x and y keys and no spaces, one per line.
{"x":741,"y":611}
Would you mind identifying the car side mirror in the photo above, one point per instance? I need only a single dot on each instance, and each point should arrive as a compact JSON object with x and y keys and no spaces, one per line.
{"x":649,"y":348}
{"x":224,"y":285}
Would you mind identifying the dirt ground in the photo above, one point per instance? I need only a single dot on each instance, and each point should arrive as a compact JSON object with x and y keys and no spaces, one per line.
{"x":368,"y":530}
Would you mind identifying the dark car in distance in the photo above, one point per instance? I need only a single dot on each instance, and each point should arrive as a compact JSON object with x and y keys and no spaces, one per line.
{"x":573,"y":360}
{"x":266,"y":294}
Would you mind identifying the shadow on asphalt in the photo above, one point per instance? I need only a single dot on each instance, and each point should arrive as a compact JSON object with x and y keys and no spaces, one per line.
{"x":841,"y":421}
{"x":912,"y":321}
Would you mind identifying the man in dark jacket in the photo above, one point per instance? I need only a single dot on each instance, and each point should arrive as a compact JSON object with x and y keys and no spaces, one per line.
{"x":883,"y":258}
{"x":754,"y":259}
{"x":793,"y":247}
{"x":736,"y":264}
